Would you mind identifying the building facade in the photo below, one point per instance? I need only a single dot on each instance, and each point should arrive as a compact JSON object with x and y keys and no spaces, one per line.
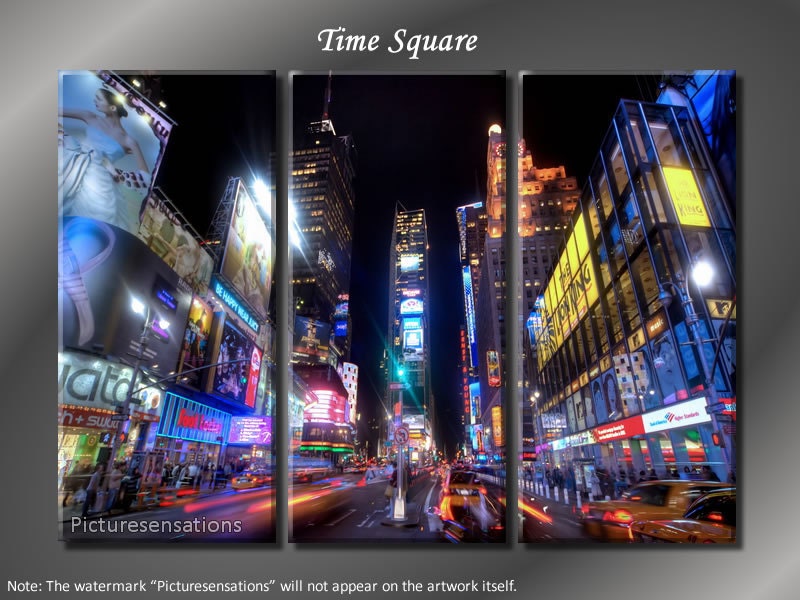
{"x":635,"y":360}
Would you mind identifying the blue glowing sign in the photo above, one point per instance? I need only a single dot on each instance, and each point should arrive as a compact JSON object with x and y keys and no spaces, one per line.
{"x":231,"y":302}
{"x":470,"y":309}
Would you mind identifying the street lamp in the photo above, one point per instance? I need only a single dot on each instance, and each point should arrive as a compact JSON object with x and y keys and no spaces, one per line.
{"x":123,"y":413}
{"x":702,"y":274}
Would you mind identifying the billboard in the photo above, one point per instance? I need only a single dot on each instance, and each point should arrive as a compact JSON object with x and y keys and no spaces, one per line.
{"x":250,"y":430}
{"x":189,"y":420}
{"x":249,"y":253}
{"x":409,"y":262}
{"x":475,"y":403}
{"x":102,"y":270}
{"x":171,"y":237}
{"x":232,"y":379}
{"x":311,"y":341}
{"x":411,"y":306}
{"x":325,"y":406}
{"x":412,"y":345}
{"x":498,"y":433}
{"x":195,"y":341}
{"x":110,"y":145}
{"x":493,"y":367}
{"x":470,"y":314}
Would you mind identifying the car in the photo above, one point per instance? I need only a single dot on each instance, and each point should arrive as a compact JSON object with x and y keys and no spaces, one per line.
{"x":251,"y":479}
{"x":711,"y":519}
{"x":609,"y":520}
{"x":461,"y":483}
{"x":474,"y":518}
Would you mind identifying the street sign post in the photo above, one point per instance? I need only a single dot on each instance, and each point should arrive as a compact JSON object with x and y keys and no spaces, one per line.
{"x":397,"y":385}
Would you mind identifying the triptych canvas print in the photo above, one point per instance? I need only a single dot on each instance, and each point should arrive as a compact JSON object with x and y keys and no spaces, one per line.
{"x":375,"y":321}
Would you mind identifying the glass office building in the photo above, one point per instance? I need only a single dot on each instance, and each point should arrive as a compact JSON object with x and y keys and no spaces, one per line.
{"x":621,"y":324}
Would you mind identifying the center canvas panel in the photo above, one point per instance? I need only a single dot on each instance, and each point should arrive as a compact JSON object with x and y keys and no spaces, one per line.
{"x":397,"y":225}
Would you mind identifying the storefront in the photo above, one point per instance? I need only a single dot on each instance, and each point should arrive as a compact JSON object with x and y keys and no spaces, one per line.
{"x":191,"y":432}
{"x":91,"y":391}
{"x":665,"y":440}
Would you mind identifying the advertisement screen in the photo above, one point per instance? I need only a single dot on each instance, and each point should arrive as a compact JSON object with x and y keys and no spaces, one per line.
{"x":231,"y":378}
{"x":411,"y":306}
{"x":325,"y":406}
{"x":250,"y":430}
{"x":253,"y":376}
{"x":105,"y":275}
{"x":311,"y":340}
{"x":169,"y":236}
{"x":493,"y":367}
{"x":412,"y":345}
{"x":249,"y":253}
{"x":110,"y":143}
{"x":498,"y":435}
{"x":195,"y":341}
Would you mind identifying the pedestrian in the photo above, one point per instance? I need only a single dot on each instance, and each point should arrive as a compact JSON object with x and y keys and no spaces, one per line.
{"x":114,"y":483}
{"x":91,"y":489}
{"x":176,"y":473}
{"x":652,"y":475}
{"x":391,"y":487}
{"x":708,"y":474}
{"x":130,"y":488}
{"x":594,"y":481}
{"x":642,"y":476}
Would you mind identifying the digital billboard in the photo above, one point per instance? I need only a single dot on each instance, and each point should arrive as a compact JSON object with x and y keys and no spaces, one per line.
{"x":311,"y":342}
{"x":411,"y":306}
{"x":171,"y":237}
{"x":498,"y":432}
{"x":231,"y":379}
{"x":493,"y":368}
{"x":104,"y":271}
{"x":195,"y":341}
{"x":249,"y":253}
{"x":110,"y":145}
{"x":412,"y":345}
{"x":250,"y":430}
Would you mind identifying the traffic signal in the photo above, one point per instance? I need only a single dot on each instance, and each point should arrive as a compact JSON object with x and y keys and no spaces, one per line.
{"x":401,"y":372}
{"x":718,"y":440}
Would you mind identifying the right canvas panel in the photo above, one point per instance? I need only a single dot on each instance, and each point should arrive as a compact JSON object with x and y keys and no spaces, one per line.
{"x":627,"y":221}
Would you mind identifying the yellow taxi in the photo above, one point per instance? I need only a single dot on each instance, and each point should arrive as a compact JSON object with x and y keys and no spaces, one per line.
{"x":251,"y":479}
{"x":610,"y":520}
{"x":711,"y":519}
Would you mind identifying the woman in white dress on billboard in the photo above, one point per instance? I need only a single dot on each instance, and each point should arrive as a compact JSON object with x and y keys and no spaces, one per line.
{"x":89,"y":181}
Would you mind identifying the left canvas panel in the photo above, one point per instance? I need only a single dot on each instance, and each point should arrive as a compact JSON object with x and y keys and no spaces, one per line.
{"x":166,"y":250}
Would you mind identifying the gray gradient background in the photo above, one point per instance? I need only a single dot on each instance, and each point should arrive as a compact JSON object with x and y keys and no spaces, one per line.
{"x":37,"y":38}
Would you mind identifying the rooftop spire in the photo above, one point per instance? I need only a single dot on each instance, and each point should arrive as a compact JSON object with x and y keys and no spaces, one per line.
{"x":327,"y":104}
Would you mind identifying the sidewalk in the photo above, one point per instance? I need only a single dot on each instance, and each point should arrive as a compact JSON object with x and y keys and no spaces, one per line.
{"x":148,"y":498}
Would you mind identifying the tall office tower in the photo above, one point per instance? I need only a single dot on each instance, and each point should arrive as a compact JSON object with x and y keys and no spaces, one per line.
{"x":547,"y":199}
{"x":472,"y":227}
{"x":409,"y":325}
{"x":490,"y":304}
{"x":322,"y":203}
{"x":322,"y":198}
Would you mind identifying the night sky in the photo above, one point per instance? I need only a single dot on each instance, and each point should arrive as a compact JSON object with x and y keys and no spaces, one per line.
{"x":421,"y":142}
{"x":565,"y":117}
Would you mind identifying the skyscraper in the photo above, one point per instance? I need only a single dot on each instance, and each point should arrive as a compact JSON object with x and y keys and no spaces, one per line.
{"x":322,"y":197}
{"x":409,"y":323}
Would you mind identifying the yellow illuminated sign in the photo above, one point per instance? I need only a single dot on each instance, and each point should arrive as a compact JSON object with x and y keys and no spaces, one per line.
{"x":686,"y":197}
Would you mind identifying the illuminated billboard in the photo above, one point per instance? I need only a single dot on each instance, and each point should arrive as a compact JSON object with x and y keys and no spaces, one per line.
{"x":412,"y":345}
{"x":102,"y":270}
{"x":311,"y":342}
{"x":470,"y":313}
{"x":409,"y":262}
{"x":493,"y":368}
{"x":250,"y":430}
{"x":249,"y":253}
{"x":231,"y":379}
{"x":498,"y":433}
{"x":686,"y":197}
{"x":111,"y":141}
{"x":411,"y":306}
{"x":169,"y":236}
{"x":195,"y":341}
{"x":325,"y":406}
{"x":570,"y":292}
{"x":475,"y":403}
